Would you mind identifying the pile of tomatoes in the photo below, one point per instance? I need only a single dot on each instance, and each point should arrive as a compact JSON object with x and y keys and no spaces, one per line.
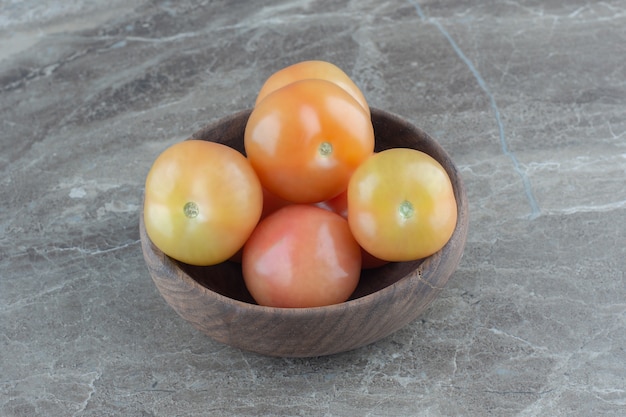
{"x":310,"y":204}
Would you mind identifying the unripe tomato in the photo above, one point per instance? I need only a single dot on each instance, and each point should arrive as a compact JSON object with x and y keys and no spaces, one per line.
{"x":202,"y":201}
{"x":306,"y":139}
{"x":401,"y":205}
{"x":321,"y":70}
{"x":301,"y":256}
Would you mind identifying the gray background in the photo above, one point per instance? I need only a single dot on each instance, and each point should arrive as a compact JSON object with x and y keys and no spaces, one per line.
{"x":528,"y":97}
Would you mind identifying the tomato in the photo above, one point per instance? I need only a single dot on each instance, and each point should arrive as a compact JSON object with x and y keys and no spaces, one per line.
{"x":312,"y":69}
{"x":272,"y":203}
{"x":401,"y":205}
{"x":339,"y":205}
{"x":301,"y":256}
{"x":202,"y":201}
{"x":306,"y":139}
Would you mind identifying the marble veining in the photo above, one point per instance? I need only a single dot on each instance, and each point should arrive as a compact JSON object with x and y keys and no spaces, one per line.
{"x":535,"y":210}
{"x":527,"y":97}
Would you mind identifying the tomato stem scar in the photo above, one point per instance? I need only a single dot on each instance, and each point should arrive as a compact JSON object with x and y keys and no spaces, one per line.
{"x":325,"y":148}
{"x":406,"y":210}
{"x":191,"y":210}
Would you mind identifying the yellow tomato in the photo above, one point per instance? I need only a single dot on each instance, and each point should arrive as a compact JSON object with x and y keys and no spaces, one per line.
{"x":401,"y":205}
{"x":202,"y":202}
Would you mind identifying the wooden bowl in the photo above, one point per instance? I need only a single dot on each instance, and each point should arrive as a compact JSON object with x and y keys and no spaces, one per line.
{"x":215,"y":300}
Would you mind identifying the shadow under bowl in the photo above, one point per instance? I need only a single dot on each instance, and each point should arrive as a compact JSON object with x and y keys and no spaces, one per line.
{"x":214,"y":299}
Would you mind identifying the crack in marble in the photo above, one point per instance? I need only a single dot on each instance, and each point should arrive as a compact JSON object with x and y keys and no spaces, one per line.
{"x":595,"y":9}
{"x":44,"y":71}
{"x":613,"y":12}
{"x":598,"y":208}
{"x":615,"y":135}
{"x":91,"y":252}
{"x":32,"y":299}
{"x":535,"y":211}
{"x":42,"y":393}
{"x":92,"y":390}
{"x":81,"y":250}
{"x":539,"y":393}
{"x":517,"y":338}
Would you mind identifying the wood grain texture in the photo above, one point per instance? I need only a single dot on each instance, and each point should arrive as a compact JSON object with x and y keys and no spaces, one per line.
{"x":214,"y":299}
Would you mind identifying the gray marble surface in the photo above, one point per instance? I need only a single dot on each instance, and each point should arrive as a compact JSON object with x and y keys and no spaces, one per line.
{"x":528,"y":97}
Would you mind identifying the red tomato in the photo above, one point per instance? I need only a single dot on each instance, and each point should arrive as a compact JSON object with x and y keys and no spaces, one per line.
{"x":306,"y":139}
{"x":202,"y":201}
{"x":301,"y":256}
{"x":339,"y":205}
{"x":401,"y":205}
{"x":321,"y":70}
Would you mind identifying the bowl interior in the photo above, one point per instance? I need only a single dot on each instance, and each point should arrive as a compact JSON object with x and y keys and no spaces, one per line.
{"x":391,"y":132}
{"x":226,"y":278}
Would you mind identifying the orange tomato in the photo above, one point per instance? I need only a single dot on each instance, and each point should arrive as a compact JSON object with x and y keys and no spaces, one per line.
{"x":202,"y":202}
{"x":312,"y":69}
{"x":306,"y":139}
{"x":401,"y":205}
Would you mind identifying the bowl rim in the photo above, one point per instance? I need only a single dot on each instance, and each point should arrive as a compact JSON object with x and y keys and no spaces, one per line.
{"x":172,"y":266}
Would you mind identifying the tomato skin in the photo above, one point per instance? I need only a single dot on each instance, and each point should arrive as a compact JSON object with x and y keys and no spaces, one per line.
{"x":271,"y":203}
{"x":225,"y":199}
{"x":401,"y":205}
{"x":301,"y":256}
{"x":306,"y":139}
{"x":312,"y":69}
{"x":339,"y":205}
